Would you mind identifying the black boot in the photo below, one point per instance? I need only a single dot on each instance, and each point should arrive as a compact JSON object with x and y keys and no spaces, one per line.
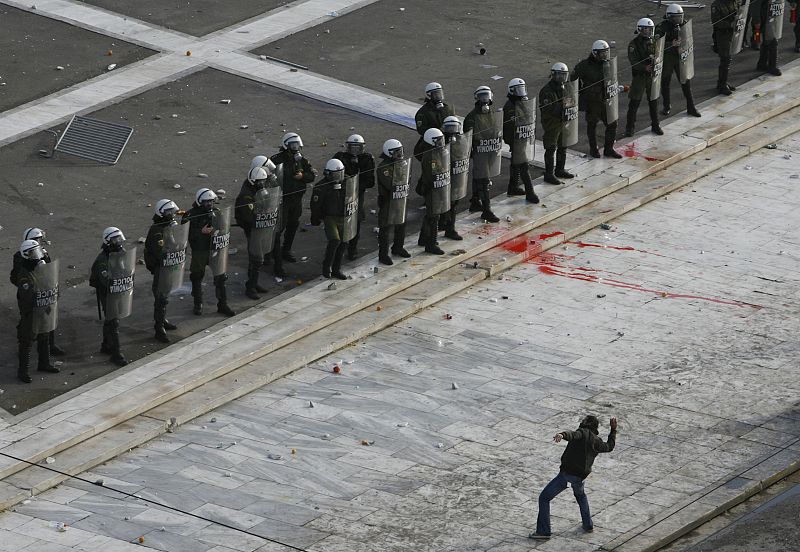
{"x":330,"y":252}
{"x":690,"y":107}
{"x":667,"y":104}
{"x":772,"y":59}
{"x":608,"y":142}
{"x":514,"y":189}
{"x":763,"y":58}
{"x":55,"y":350}
{"x":630,"y":125}
{"x":550,"y":166}
{"x":591,"y":133}
{"x":116,"y":355}
{"x":722,"y":78}
{"x":43,"y":350}
{"x":530,"y":195}
{"x":336,"y":267}
{"x":105,"y":346}
{"x":288,"y":240}
{"x":474,"y":203}
{"x":159,"y":318}
{"x":487,"y":215}
{"x":222,"y":295}
{"x":450,"y":223}
{"x":169,"y":325}
{"x":654,"y":126}
{"x":398,"y":245}
{"x":561,"y":161}
{"x":23,"y":374}
{"x":383,"y":246}
{"x":197,"y":293}
{"x":430,"y":236}
{"x":251,"y":283}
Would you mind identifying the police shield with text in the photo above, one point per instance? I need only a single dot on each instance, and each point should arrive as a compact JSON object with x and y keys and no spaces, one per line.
{"x":434,"y":186}
{"x":37,"y":300}
{"x":486,"y":124}
{"x":769,"y":19}
{"x":112,"y":279}
{"x":678,"y":57}
{"x":646,"y":55}
{"x":460,"y":150}
{"x":728,"y":18}
{"x":357,"y":162}
{"x":519,"y":132}
{"x":256,"y":213}
{"x":393,"y":172}
{"x":599,"y":96}
{"x":329,"y":206}
{"x":559,"y":112}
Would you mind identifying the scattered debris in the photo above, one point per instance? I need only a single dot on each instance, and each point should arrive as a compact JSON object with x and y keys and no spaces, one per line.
{"x":771,"y":146}
{"x":61,"y":526}
{"x":440,"y":445}
{"x":272,"y":456}
{"x":508,"y":218}
{"x":493,"y":300}
{"x":332,"y":286}
{"x":367,"y":443}
{"x":181,"y":132}
{"x":213,"y":420}
{"x":748,"y":168}
{"x":226,"y":102}
{"x":605,"y":226}
{"x":379,"y":308}
{"x":310,"y":404}
{"x":448,"y":316}
{"x":294,"y":451}
{"x":111,"y":67}
{"x":50,"y":460}
{"x":202,"y":175}
{"x":601,"y":295}
{"x":59,"y":68}
{"x":337,"y":369}
{"x":176,"y":186}
{"x":402,"y":424}
{"x":244,"y":127}
{"x":262,"y":58}
{"x":455,"y":385}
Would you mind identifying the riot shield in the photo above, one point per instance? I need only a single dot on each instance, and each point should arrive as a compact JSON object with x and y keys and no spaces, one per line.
{"x":220,"y":240}
{"x":460,"y":148}
{"x":773,"y":26}
{"x":45,"y":301}
{"x":350,"y":186}
{"x":487,"y":141}
{"x":119,"y":299}
{"x":686,"y":52}
{"x":739,"y":28}
{"x":523,"y":146}
{"x":569,"y":118}
{"x":266,"y":210}
{"x":611,"y":90}
{"x":397,"y":202}
{"x":173,"y":257}
{"x":658,"y":68}
{"x":439,"y":159}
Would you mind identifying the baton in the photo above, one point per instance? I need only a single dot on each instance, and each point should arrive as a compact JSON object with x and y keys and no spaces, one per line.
{"x":97,"y":296}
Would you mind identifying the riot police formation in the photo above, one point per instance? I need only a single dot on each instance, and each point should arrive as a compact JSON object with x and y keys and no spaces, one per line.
{"x":165,"y":258}
{"x":460,"y":144}
{"x":728,"y":19}
{"x":769,"y":20}
{"x":434,"y":186}
{"x":112,"y":279}
{"x":357,"y":162}
{"x":209,"y":238}
{"x":297,"y":173}
{"x":393,"y":172}
{"x":486,"y":124}
{"x":678,"y":57}
{"x":334,"y":203}
{"x":256,"y":213}
{"x":519,"y":132}
{"x":599,"y":96}
{"x":38,"y":235}
{"x":646,"y":55}
{"x":37,"y":299}
{"x":556,"y":114}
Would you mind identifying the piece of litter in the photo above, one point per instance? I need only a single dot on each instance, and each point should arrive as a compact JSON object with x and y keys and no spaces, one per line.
{"x":213,"y":420}
{"x":373,"y":212}
{"x":333,"y":14}
{"x":508,"y":218}
{"x":439,"y":343}
{"x":274,"y":456}
{"x":402,"y":424}
{"x":497,"y":77}
{"x":402,"y":9}
{"x":455,"y":385}
{"x":605,"y":226}
{"x":332,"y":286}
{"x":227,"y":474}
{"x":601,"y":295}
{"x":772,"y":146}
{"x":61,"y":526}
{"x":493,"y":300}
{"x":262,"y":58}
{"x":226,"y":102}
{"x":349,"y":361}
{"x":278,"y":279}
{"x":50,"y":460}
{"x":787,"y":156}
{"x":439,"y":445}
{"x":748,"y":168}
{"x":367,"y":443}
{"x":303,"y":259}
{"x":174,"y":115}
{"x":337,"y":369}
{"x":294,"y":451}
{"x":181,"y":132}
{"x":176,"y":186}
{"x":310,"y":404}
{"x":448,"y":316}
{"x":59,"y":68}
{"x":111,"y":67}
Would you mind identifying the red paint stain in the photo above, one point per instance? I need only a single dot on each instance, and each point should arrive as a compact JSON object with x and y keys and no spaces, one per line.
{"x":550,"y":235}
{"x":527,"y":246}
{"x":631,"y":151}
{"x":583,"y":245}
{"x":490,"y":230}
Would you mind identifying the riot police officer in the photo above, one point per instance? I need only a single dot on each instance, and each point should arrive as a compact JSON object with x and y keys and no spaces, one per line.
{"x":460,"y":149}
{"x":519,"y":129}
{"x":724,"y":17}
{"x":28,"y":287}
{"x":486,"y":125}
{"x":297,"y":173}
{"x":36,"y":234}
{"x":769,"y":21}
{"x":672,"y":29}
{"x":357,"y":162}
{"x":393,"y":172}
{"x":155,"y":248}
{"x":551,"y":106}
{"x":432,"y":113}
{"x":435,"y":173}
{"x":113,"y":286}
{"x":244,"y":212}
{"x":204,"y":222}
{"x":597,"y":88}
{"x":641,"y":54}
{"x":328,"y":206}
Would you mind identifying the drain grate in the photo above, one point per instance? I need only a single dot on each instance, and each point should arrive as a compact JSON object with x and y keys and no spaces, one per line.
{"x":99,"y":141}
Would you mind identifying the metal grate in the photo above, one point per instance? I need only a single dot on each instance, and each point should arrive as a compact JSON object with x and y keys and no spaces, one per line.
{"x":92,"y":139}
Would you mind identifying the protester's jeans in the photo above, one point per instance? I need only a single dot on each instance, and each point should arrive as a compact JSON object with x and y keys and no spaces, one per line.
{"x":552,"y":490}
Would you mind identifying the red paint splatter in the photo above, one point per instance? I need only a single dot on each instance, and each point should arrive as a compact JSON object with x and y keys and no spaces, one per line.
{"x":490,"y":230}
{"x":550,"y":235}
{"x":583,"y":245}
{"x":527,"y":246}
{"x":631,"y":151}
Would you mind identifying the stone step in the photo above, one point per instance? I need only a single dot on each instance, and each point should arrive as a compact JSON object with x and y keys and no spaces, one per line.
{"x":262,"y":332}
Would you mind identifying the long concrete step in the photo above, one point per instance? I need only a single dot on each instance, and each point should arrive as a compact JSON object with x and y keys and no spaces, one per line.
{"x":263,"y":335}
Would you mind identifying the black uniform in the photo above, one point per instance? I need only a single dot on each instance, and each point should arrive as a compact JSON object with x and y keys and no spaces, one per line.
{"x":481,"y":200}
{"x":362,"y":165}
{"x":551,"y":107}
{"x":244,"y":213}
{"x":768,"y":55}
{"x":517,"y":170}
{"x":55,"y":350}
{"x":328,"y":204}
{"x":385,"y":172}
{"x":153,"y":252}
{"x":429,"y":116}
{"x":447,"y":221}
{"x":99,"y":280}
{"x":723,"y":18}
{"x":641,"y":52}
{"x":198,"y":218}
{"x":296,"y":174}
{"x":592,"y":89}
{"x":22,"y":277}
{"x":671,"y":32}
